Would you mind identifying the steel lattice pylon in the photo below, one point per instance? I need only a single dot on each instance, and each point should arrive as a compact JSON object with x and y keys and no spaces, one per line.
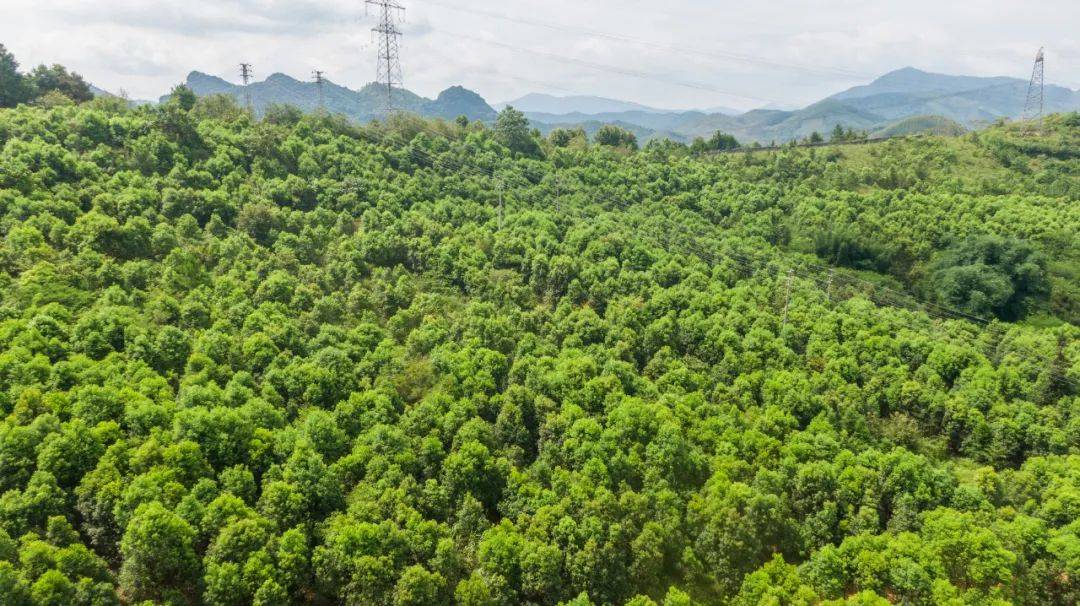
{"x":1035,"y":104}
{"x":246,"y":74}
{"x":388,"y":73}
{"x":318,"y":76}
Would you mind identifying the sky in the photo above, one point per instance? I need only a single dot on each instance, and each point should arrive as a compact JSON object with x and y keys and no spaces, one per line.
{"x":676,"y":54}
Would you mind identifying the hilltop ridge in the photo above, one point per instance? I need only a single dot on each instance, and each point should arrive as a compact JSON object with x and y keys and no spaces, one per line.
{"x":964,"y":102}
{"x":970,"y":101}
{"x":364,"y":104}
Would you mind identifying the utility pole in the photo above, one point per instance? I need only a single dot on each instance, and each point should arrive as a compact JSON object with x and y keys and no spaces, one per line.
{"x":499,"y":186}
{"x":319,"y":80}
{"x":558,"y":193}
{"x":1034,"y":106}
{"x":787,"y":298}
{"x":388,"y":73}
{"x":246,"y":73}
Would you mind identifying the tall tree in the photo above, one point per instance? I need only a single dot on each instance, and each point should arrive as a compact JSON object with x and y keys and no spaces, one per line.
{"x":512,"y":130}
{"x":159,"y":557}
{"x":14,"y":88}
{"x":613,"y":136}
{"x":990,"y":275}
{"x":57,"y":78}
{"x":720,"y":141}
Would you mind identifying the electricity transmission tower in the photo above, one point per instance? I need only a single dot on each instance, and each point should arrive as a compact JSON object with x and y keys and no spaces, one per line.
{"x":1033,"y":108}
{"x":389,"y":70}
{"x":319,"y":80}
{"x":246,"y":73}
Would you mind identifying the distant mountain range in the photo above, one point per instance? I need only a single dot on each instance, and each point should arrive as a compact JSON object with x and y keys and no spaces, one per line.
{"x":904,"y":101}
{"x":540,"y":103}
{"x":364,"y":105}
{"x":966,"y":99}
{"x":551,"y":104}
{"x":98,"y":92}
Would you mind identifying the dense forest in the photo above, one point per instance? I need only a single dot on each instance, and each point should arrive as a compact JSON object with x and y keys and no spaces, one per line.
{"x":300,"y":360}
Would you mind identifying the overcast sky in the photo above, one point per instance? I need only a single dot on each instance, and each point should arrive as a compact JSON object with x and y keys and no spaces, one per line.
{"x":673,"y":54}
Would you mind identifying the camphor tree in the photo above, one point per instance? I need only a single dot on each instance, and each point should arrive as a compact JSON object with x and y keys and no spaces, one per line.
{"x":719,"y":141}
{"x":990,"y":275}
{"x":289,"y":359}
{"x":57,"y":78}
{"x":512,"y":131}
{"x":612,"y":136}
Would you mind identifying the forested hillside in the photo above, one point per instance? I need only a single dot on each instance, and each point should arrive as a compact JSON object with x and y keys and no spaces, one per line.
{"x":296,"y":360}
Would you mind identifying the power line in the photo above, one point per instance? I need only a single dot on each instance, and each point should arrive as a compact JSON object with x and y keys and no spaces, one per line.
{"x":879,"y":295}
{"x":712,"y":54}
{"x":693,"y":84}
{"x":388,"y":72}
{"x":809,"y":68}
{"x":605,"y":67}
{"x":876,"y":293}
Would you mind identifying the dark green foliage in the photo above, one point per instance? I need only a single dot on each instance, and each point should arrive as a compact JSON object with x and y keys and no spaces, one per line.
{"x":841,"y":135}
{"x":14,"y":87}
{"x":613,"y":136}
{"x":296,"y":360}
{"x":563,"y":137}
{"x":720,"y":141}
{"x":57,"y":78}
{"x":990,"y":275}
{"x":47,"y":85}
{"x":844,"y":247}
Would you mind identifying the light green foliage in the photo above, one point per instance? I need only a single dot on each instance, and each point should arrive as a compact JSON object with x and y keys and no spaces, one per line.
{"x":159,"y":560}
{"x":297,"y":360}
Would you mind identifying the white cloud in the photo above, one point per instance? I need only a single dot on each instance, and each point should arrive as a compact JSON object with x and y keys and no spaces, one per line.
{"x":684,"y":53}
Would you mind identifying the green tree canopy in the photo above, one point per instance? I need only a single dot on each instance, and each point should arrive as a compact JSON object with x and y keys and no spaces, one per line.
{"x":512,"y":130}
{"x":46,"y":79}
{"x":990,"y":275}
{"x":14,"y":87}
{"x":613,"y":136}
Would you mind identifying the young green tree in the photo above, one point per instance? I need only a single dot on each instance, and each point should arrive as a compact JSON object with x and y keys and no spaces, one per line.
{"x":159,"y":559}
{"x":512,"y":130}
{"x":299,"y":360}
{"x":183,"y":97}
